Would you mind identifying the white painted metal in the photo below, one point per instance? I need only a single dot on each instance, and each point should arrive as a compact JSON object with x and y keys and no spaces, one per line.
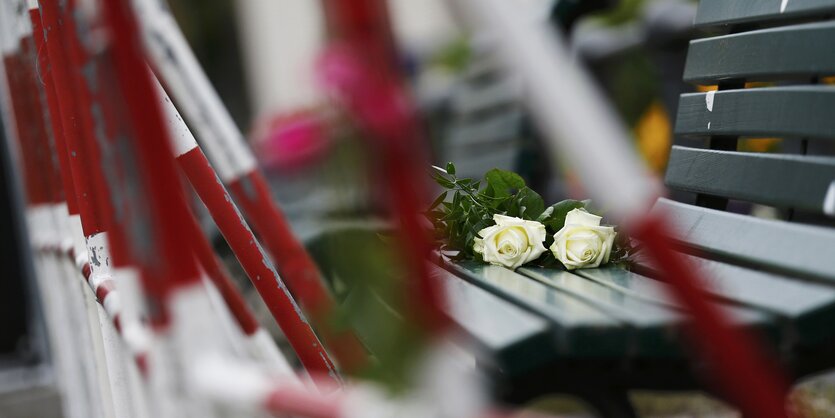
{"x":226,"y":325}
{"x":94,"y":355}
{"x":582,"y":131}
{"x":280,"y":40}
{"x":422,"y":27}
{"x":263,"y":348}
{"x":182,"y":139}
{"x":182,"y":75}
{"x":51,"y":285}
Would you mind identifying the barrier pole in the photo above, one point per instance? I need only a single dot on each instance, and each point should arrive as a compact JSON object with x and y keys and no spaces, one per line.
{"x":229,"y":154}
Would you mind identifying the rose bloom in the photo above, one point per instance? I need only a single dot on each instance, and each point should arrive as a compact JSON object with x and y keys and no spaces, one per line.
{"x":582,"y":242}
{"x":512,"y":242}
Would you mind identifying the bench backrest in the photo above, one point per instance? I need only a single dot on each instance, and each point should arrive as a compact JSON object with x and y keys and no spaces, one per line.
{"x":788,"y":47}
{"x":485,"y":125}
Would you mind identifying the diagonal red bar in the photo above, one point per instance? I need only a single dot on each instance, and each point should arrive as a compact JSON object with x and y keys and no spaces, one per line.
{"x":752,"y":381}
{"x":258,"y":266}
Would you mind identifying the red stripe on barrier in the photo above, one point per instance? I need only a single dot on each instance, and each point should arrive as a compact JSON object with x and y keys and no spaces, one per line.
{"x":86,"y":271}
{"x":380,"y":105}
{"x":49,"y":107}
{"x":298,"y":401}
{"x":66,"y":86}
{"x":37,"y":128}
{"x":256,"y":263}
{"x":117,"y":323}
{"x":59,"y":146}
{"x":220,"y":277}
{"x":17,"y":95}
{"x":296,"y":267}
{"x":103,"y":289}
{"x":742,"y":371}
{"x":365,"y":76}
{"x":87,"y":77}
{"x":165,"y":254}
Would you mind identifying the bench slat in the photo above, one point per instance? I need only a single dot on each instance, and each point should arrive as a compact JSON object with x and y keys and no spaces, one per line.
{"x":805,"y":308}
{"x":503,"y":157}
{"x":637,"y":286}
{"x":722,"y":12}
{"x":801,"y":111}
{"x":775,"y":246}
{"x":475,"y":133}
{"x":653,"y":326}
{"x":518,"y":339}
{"x":779,"y":53}
{"x":789,"y":181}
{"x":473,"y":98}
{"x":580,"y":330}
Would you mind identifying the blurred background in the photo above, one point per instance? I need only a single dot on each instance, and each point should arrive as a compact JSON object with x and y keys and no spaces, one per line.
{"x":261,"y":55}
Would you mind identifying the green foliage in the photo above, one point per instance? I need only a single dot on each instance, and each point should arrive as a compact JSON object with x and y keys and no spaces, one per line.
{"x":466,"y":206}
{"x":455,"y":56}
{"x":368,"y":277}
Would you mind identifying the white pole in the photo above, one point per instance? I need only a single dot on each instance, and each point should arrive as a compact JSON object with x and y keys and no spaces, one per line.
{"x":280,"y":40}
{"x":581,"y":130}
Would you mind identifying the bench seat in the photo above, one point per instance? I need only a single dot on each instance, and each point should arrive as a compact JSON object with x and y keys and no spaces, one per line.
{"x":627,"y":321}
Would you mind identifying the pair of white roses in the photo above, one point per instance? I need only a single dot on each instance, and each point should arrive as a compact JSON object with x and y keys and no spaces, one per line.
{"x":512,"y":242}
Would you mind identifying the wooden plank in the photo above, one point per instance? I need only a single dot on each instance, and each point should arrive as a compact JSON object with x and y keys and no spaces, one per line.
{"x":723,"y":12}
{"x":579,"y":329}
{"x":776,"y":246}
{"x":778,"y":53}
{"x":799,"y":111}
{"x":637,"y":286}
{"x":475,"y":164}
{"x":471,"y":98}
{"x":654,"y":327}
{"x":789,"y":181}
{"x":497,"y":128}
{"x":519,"y":340}
{"x":804,"y":309}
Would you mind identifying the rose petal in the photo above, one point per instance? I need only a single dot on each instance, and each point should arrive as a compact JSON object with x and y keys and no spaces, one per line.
{"x":581,"y":217}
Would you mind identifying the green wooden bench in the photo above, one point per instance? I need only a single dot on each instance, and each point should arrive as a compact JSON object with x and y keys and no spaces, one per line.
{"x":610,"y":330}
{"x":600,"y":333}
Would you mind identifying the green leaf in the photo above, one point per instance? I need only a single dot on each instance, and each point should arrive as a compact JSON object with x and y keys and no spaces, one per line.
{"x":531,"y":204}
{"x":450,"y":168}
{"x":443,"y":181}
{"x":440,"y":199}
{"x":502,"y":183}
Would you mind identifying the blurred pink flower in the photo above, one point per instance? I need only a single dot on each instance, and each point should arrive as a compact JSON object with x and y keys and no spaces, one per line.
{"x":292,"y":142}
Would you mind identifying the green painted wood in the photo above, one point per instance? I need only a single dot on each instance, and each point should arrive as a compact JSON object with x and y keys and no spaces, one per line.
{"x":789,"y":181}
{"x":801,"y":111}
{"x":770,"y":54}
{"x":805,"y":310}
{"x":495,"y":129}
{"x":723,"y":12}
{"x":637,"y":286}
{"x":519,"y":340}
{"x":473,"y":98}
{"x":653,"y":328}
{"x":776,"y":246}
{"x":580,"y":330}
{"x":475,"y":163}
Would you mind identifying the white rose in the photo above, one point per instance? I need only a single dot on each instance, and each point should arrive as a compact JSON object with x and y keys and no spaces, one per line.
{"x":512,"y":242}
{"x":582,"y":242}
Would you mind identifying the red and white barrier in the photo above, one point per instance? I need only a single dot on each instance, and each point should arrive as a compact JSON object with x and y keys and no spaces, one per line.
{"x":253,"y":259}
{"x":235,"y":164}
